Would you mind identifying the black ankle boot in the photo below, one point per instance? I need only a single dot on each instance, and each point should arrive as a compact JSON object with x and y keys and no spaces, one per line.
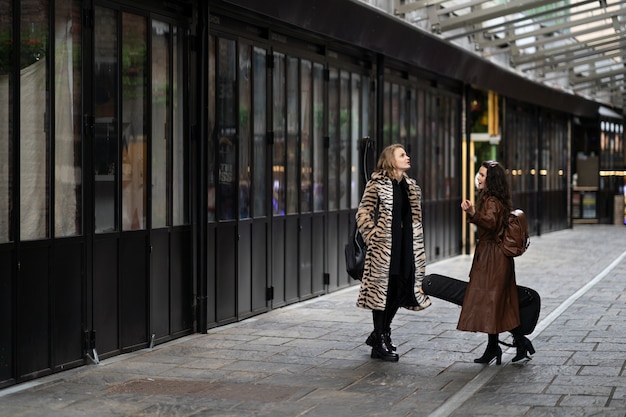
{"x":523,"y":346}
{"x":492,"y":351}
{"x":387,"y":339}
{"x":379,"y":348}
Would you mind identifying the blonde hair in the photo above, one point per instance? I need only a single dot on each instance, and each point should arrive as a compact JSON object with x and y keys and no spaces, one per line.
{"x":386,"y":161}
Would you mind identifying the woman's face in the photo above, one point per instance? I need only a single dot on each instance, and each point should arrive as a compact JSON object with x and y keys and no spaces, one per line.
{"x":481,"y":178}
{"x":401,"y":162}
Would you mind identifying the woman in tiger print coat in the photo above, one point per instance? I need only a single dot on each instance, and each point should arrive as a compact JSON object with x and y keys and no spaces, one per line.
{"x":389,"y":218}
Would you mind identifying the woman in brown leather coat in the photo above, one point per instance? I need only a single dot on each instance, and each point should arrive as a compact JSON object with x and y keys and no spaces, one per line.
{"x":490,"y":304}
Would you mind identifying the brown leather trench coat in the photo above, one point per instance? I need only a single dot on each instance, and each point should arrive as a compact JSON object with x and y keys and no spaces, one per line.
{"x":490,"y":304}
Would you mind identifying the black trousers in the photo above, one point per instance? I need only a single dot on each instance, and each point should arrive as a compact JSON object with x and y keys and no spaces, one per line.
{"x":396,"y":298}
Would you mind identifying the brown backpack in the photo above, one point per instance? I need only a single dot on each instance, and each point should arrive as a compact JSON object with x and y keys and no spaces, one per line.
{"x":515,"y":238}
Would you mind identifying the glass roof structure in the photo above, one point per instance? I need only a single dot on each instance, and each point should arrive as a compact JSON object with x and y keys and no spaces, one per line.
{"x":578,"y":47}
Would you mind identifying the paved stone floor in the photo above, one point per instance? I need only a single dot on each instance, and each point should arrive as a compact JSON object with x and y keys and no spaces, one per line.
{"x":310,"y":359}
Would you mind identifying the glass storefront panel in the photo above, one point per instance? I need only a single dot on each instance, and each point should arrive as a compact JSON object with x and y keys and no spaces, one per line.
{"x":333,"y":133}
{"x":386,"y":111}
{"x":293,"y":118}
{"x":6,"y":159}
{"x":160,"y":121}
{"x":245,"y":104}
{"x":279,"y":149}
{"x":319,"y":160}
{"x":134,"y":106}
{"x":180,"y":155}
{"x":34,"y":140}
{"x":366,"y":109}
{"x":306,"y":157}
{"x":105,"y":146}
{"x":394,"y":109}
{"x":355,"y":172}
{"x":226,"y":127}
{"x":212,"y":129}
{"x":453,"y":187}
{"x":260,"y":131}
{"x":431,"y":170}
{"x":344,"y":139}
{"x":67,"y":127}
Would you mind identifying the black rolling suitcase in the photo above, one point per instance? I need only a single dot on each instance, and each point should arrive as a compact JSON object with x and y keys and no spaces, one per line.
{"x":453,"y":290}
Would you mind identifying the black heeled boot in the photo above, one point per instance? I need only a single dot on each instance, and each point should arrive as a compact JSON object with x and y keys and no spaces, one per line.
{"x":376,"y":339}
{"x":387,"y":339}
{"x":523,"y":346}
{"x":390,"y":313}
{"x":379,"y":348}
{"x":493,"y":351}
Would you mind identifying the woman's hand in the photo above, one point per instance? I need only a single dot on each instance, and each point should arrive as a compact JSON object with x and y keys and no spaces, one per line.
{"x":468,"y":207}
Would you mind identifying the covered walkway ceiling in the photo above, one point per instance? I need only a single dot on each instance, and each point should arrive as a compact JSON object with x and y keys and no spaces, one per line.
{"x":577,"y":46}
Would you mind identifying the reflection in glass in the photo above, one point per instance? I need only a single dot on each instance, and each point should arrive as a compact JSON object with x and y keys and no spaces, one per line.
{"x":260,"y":129}
{"x":279,"y":148}
{"x":355,"y":119}
{"x":34,"y":146}
{"x":209,"y":143}
{"x":180,"y":158}
{"x":365,"y":112}
{"x":319,"y":166}
{"x":105,"y":131}
{"x":333,"y":129}
{"x":344,"y":138}
{"x":67,"y":120}
{"x":306,"y":168}
{"x":133,"y":115}
{"x":227,"y":128}
{"x":6,"y":165}
{"x":160,"y":122}
{"x":293,"y":88}
{"x":394,"y":122}
{"x":245,"y":88}
{"x":386,"y":111}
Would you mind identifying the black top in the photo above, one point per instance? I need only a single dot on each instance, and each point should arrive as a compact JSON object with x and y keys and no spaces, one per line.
{"x":401,"y":231}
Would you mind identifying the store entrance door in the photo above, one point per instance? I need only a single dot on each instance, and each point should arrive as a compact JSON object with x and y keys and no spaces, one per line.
{"x":141,"y":284}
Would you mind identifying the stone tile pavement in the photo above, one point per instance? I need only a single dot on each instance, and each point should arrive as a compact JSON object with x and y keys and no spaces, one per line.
{"x":310,"y":359}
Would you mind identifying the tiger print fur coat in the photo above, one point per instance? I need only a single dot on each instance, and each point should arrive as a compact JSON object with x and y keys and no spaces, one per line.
{"x":377,"y":236}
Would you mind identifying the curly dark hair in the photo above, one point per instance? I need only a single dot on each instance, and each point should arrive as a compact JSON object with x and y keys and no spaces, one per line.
{"x":497,"y":184}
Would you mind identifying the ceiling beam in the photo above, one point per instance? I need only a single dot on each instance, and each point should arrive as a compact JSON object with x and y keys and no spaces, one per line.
{"x":580,"y":80}
{"x":511,"y":24}
{"x":566,"y":64}
{"x":477,"y":16}
{"x":568,"y":51}
{"x":551,"y":29}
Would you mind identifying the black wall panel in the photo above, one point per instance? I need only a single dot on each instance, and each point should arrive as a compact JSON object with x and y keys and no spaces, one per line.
{"x":244,"y":269}
{"x":33,"y":312}
{"x":134,"y":291}
{"x":317,"y":255}
{"x":278,"y":274}
{"x":336,"y":238}
{"x":260,"y":256}
{"x":105,"y":296}
{"x":160,"y":284}
{"x":181,"y":282}
{"x":225,"y":292}
{"x":342,"y":235}
{"x":211,"y":266}
{"x":67,"y":303}
{"x":7,"y":335}
{"x":292,"y":235}
{"x":305,"y":270}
